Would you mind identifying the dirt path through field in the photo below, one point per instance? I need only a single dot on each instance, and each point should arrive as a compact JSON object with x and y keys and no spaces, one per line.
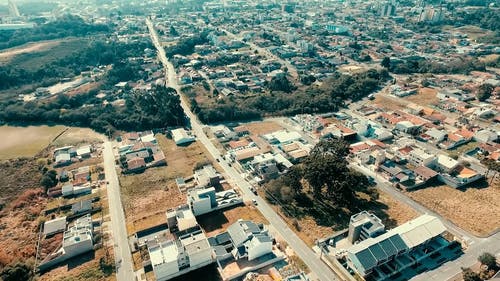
{"x":6,"y":54}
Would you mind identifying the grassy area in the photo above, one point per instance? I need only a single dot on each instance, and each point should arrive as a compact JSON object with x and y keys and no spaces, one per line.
{"x":299,"y":264}
{"x":456,"y":152}
{"x":473,"y":209}
{"x":387,"y":103}
{"x":33,"y":61}
{"x":26,"y":141}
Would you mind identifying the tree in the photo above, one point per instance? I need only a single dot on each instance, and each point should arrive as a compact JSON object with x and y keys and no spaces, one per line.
{"x":386,"y":62}
{"x":173,"y":31}
{"x":326,"y":169}
{"x":488,"y":260}
{"x":17,"y":271}
{"x":484,"y":92}
{"x":49,"y":179}
{"x":281,"y":83}
{"x":469,"y":275}
{"x":292,"y":179}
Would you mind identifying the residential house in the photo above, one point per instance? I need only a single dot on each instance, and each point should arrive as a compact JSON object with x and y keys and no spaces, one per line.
{"x":415,"y":240}
{"x":250,"y":240}
{"x":364,"y":225}
{"x":207,"y":176}
{"x":418,"y":157}
{"x":445,"y":163}
{"x":181,"y":137}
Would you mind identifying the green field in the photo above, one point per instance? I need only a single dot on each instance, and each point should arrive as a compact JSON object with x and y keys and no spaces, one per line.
{"x":26,"y":141}
{"x":33,"y":61}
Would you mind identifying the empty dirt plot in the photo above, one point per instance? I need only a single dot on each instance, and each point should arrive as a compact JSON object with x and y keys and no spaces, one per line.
{"x":473,"y":209}
{"x":84,"y":268}
{"x":147,"y":196}
{"x":398,"y":212}
{"x":262,"y":128}
{"x":26,"y":141}
{"x":219,"y":221}
{"x":424,"y":97}
{"x":388,"y":103}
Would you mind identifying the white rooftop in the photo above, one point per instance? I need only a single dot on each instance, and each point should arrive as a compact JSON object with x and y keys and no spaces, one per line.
{"x":165,"y":252}
{"x":283,"y":136}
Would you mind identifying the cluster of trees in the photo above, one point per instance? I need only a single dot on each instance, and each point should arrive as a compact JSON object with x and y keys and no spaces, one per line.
{"x":96,"y":53}
{"x":327,"y":173}
{"x":157,"y":108}
{"x":329,"y":97}
{"x":49,"y":179}
{"x":485,"y":18}
{"x":281,"y":83}
{"x":490,"y":267}
{"x":459,"y":65}
{"x":484,"y":92}
{"x":17,"y":271}
{"x":185,"y":46}
{"x":68,"y":25}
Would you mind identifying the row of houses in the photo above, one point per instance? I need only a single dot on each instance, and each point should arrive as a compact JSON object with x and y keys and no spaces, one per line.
{"x":139,"y":151}
{"x":64,"y":156}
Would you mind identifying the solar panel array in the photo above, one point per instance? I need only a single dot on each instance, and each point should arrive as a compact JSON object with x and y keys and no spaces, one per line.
{"x":379,"y":252}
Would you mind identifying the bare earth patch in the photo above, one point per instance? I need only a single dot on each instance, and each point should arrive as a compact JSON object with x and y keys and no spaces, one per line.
{"x":217,"y":222}
{"x":147,"y":196}
{"x":475,"y":210}
{"x":387,"y":103}
{"x":262,"y":128}
{"x":424,"y":97}
{"x":398,"y":212}
{"x":5,"y":55}
{"x":26,"y":141}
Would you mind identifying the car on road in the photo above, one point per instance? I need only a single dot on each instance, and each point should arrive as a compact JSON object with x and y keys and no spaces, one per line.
{"x":254,"y":202}
{"x":254,"y":190}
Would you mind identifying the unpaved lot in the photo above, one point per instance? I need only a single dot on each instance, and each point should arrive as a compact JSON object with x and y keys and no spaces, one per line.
{"x":217,"y":222}
{"x":147,"y":196}
{"x":474,"y":209}
{"x":262,"y":128}
{"x":5,"y":55}
{"x":424,"y":97}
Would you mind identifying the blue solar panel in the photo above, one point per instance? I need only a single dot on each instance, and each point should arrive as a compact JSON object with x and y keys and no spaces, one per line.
{"x":366,"y":259}
{"x":378,"y":252}
{"x":388,"y":247}
{"x":398,"y":243}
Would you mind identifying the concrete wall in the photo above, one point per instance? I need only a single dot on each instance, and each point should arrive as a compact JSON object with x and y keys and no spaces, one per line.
{"x":259,"y":250}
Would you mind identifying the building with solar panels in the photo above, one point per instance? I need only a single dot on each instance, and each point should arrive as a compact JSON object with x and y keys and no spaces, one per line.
{"x":385,"y":256}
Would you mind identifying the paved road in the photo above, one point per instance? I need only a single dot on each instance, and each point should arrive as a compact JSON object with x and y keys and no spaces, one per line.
{"x":312,"y":260}
{"x":123,"y":258}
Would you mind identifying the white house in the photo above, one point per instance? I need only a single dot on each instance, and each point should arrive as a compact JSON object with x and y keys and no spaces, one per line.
{"x":186,"y":249}
{"x":446,"y":163}
{"x":181,"y":136}
{"x":78,"y":238}
{"x":437,"y":135}
{"x":249,"y":240}
{"x":419,"y":157}
{"x":485,"y":136}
